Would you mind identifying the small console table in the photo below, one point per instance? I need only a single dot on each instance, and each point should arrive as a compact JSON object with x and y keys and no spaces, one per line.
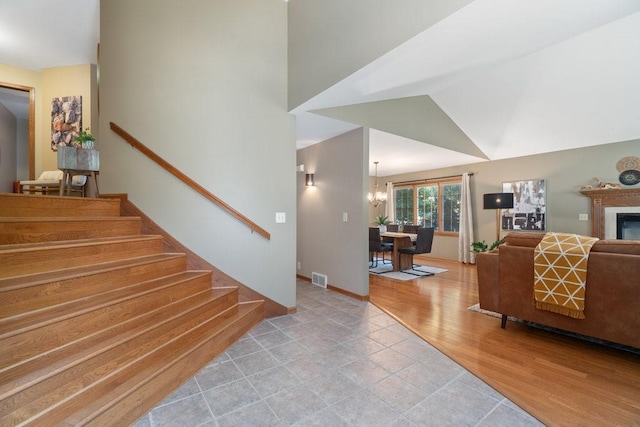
{"x":92,"y":181}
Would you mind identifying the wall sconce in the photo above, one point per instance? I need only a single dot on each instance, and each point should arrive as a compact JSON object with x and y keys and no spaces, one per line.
{"x":309,"y":180}
{"x":498,"y":201}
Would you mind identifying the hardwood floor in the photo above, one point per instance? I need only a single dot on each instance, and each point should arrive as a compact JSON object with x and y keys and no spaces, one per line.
{"x":558,"y":379}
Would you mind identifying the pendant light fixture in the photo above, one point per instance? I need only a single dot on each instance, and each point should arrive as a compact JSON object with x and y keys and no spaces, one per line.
{"x":376,"y":198}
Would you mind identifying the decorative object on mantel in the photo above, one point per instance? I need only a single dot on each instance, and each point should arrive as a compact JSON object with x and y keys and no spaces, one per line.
{"x":629,"y":168}
{"x":600,"y":185}
{"x":628,"y":163}
{"x":630,"y":177}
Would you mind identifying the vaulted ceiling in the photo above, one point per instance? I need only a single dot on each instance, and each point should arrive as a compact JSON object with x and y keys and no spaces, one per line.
{"x":497,"y":79}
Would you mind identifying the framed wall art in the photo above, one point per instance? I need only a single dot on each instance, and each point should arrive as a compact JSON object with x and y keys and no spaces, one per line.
{"x":529,"y":205}
{"x":66,"y":120}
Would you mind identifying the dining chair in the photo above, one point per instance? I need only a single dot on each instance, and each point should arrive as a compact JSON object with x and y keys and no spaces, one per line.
{"x":377,"y":246}
{"x":391,"y":228}
{"x":411,"y":229}
{"x":424,"y":241}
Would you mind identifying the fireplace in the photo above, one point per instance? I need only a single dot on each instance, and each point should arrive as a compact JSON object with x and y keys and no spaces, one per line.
{"x":628,"y":226}
{"x":606,"y":204}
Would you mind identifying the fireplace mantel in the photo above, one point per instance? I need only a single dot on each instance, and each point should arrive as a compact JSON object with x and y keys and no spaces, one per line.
{"x":610,"y":197}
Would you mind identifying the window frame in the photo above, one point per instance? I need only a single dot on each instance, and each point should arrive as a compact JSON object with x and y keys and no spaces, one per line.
{"x":427,"y":183}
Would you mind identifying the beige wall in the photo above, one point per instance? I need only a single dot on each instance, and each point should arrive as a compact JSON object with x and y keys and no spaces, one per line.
{"x":76,"y":80}
{"x":565,"y":173}
{"x":326,"y":244}
{"x":204,"y":84}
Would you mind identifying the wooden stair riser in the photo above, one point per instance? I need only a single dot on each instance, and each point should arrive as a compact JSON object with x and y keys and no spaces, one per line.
{"x":45,"y":365}
{"x":200,"y":345}
{"x":25,"y":345}
{"x":17,"y":261}
{"x":20,"y":205}
{"x":25,"y":299}
{"x":34,"y":399}
{"x":44,"y":318}
{"x":24,"y":230}
{"x":90,"y":333}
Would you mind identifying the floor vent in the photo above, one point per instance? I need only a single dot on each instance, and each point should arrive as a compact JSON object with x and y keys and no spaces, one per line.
{"x":319,"y":279}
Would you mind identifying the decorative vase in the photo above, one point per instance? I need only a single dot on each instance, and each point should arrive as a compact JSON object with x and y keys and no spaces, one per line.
{"x":383,"y":228}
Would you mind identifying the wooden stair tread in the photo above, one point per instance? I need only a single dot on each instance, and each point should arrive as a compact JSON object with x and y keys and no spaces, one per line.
{"x":17,"y":219}
{"x":21,"y":324}
{"x":36,"y":279}
{"x":31,"y":342}
{"x":33,"y":379}
{"x":72,"y":244}
{"x":105,"y":393}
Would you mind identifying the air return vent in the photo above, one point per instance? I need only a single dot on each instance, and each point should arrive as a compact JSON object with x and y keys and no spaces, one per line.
{"x":319,"y":279}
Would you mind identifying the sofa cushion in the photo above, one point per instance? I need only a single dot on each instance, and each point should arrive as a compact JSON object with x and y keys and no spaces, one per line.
{"x":521,"y":238}
{"x":630,"y":247}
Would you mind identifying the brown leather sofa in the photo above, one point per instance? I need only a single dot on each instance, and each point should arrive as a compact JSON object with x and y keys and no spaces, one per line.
{"x":612,"y":299}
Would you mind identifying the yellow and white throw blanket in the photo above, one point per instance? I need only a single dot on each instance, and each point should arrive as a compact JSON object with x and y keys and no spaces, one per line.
{"x":560,"y":273}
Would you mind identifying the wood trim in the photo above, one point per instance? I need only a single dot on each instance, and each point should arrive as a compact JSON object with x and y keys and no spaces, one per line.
{"x":610,"y":197}
{"x":32,"y":124}
{"x":188,"y":181}
{"x":338,"y":290}
{"x":348,"y":293}
{"x":194,"y":261}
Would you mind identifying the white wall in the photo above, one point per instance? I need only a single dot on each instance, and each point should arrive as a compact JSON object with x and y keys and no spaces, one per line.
{"x":203,"y":83}
{"x":326,"y":244}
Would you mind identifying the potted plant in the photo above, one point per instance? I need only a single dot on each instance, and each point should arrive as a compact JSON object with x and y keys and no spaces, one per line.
{"x":382,"y":221}
{"x":483,"y":247}
{"x":85,"y":139}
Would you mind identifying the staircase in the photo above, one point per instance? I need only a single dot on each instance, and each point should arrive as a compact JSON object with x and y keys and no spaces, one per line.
{"x":97,"y":322}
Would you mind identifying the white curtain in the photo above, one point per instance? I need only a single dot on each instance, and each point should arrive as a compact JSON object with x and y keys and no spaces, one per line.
{"x":390,"y":209}
{"x":465,"y":236}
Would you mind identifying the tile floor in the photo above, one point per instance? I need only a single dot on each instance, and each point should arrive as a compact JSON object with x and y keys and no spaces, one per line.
{"x":336,"y":362}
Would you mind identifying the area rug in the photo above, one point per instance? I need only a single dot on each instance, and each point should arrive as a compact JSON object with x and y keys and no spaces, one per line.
{"x":476,"y":308}
{"x":386,"y":270}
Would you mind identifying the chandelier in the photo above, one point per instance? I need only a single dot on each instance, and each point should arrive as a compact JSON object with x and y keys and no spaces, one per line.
{"x":376,"y":197}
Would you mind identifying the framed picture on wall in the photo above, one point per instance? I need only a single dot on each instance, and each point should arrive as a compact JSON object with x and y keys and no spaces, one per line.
{"x":529,"y":205}
{"x":66,"y":120}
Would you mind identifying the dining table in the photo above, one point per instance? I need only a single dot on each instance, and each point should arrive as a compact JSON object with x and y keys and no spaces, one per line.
{"x":400,"y":240}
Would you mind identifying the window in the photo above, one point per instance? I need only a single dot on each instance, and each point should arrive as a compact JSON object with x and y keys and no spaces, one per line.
{"x":430,"y":204}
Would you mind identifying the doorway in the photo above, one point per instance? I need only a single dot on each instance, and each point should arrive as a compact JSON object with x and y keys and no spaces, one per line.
{"x":20,"y":101}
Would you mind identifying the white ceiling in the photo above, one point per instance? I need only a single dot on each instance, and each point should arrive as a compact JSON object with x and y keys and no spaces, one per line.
{"x":515,"y":77}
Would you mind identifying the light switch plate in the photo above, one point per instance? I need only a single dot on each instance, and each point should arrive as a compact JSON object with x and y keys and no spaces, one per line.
{"x":345,"y":217}
{"x":281,"y":217}
{"x":583,"y":217}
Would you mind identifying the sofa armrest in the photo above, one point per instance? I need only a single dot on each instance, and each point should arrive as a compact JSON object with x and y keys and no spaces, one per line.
{"x":487,"y":267}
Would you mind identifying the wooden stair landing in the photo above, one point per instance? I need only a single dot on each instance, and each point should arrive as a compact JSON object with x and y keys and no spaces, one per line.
{"x":97,"y":322}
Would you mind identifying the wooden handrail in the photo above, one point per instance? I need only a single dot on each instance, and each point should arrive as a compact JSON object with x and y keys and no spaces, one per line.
{"x":188,"y":181}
